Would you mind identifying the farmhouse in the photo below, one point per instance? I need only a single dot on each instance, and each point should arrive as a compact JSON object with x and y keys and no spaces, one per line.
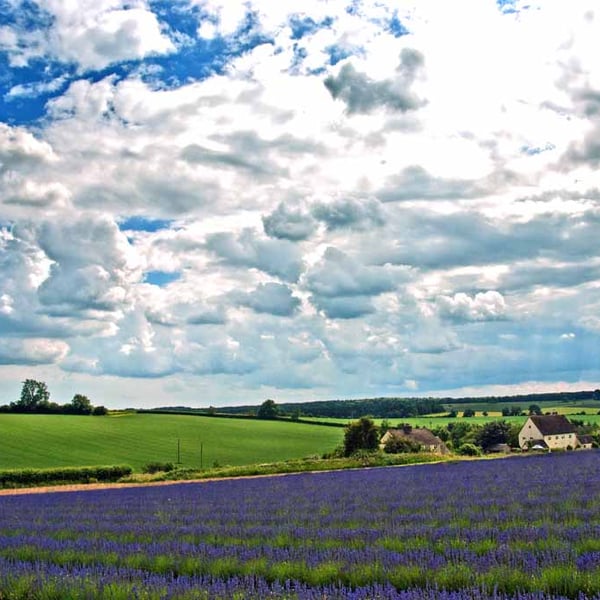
{"x":548,"y":431}
{"x":421,"y":436}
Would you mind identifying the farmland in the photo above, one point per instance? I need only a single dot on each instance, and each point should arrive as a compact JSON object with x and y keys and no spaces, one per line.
{"x":136,"y":439}
{"x":524,"y":528}
{"x":431,"y":421}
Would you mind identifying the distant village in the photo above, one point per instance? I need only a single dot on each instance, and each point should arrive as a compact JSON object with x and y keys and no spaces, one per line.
{"x":541,"y":433}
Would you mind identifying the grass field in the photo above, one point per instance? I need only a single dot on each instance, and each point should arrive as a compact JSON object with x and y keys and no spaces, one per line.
{"x":43,"y":441}
{"x":431,"y":421}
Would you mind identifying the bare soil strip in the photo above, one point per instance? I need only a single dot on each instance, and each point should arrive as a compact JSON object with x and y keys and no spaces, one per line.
{"x":83,"y":487}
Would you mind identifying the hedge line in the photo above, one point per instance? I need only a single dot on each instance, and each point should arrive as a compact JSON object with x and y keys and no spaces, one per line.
{"x":21,"y":477}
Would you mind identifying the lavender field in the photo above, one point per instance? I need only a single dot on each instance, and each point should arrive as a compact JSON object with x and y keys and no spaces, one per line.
{"x":526,"y":528}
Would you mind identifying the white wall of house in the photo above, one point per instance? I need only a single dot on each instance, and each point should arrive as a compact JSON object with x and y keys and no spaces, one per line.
{"x":528,"y":433}
{"x":562,"y":440}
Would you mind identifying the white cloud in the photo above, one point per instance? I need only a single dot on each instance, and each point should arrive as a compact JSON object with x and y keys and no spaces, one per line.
{"x":484,"y":306}
{"x":32,"y":351}
{"x":425,"y":221}
{"x":94,"y":35}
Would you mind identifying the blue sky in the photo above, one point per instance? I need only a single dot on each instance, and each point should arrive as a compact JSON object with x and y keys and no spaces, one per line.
{"x":208,"y":202}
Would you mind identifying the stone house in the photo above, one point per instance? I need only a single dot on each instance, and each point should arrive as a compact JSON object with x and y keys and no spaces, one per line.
{"x":425,"y":438}
{"x":548,"y":431}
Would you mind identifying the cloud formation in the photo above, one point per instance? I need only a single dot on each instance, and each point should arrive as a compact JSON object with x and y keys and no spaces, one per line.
{"x":241,"y":200}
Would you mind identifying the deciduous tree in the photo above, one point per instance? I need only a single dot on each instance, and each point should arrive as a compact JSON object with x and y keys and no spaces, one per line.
{"x":81,"y":405}
{"x":34,"y":396}
{"x":361,"y":435}
{"x":268,"y":410}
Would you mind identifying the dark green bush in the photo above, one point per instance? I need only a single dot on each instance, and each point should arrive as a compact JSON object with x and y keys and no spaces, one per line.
{"x":24,"y":477}
{"x":468,"y":450}
{"x":399,"y":445}
{"x":158,"y":467}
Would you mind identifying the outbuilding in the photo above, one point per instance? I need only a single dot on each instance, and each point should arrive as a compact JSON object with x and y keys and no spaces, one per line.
{"x":421,"y":436}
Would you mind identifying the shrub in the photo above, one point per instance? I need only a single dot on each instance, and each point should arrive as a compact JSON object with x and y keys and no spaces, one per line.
{"x":397,"y":445}
{"x":158,"y":467}
{"x":24,"y":477}
{"x":468,"y":450}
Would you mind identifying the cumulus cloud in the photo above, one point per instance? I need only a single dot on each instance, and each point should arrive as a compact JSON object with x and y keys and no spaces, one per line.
{"x":361,"y":94}
{"x":346,"y":210}
{"x":349,"y":213}
{"x":484,"y":306}
{"x":94,"y":276}
{"x":339,"y":275}
{"x":415,"y":183}
{"x":276,"y":257}
{"x":272,"y":298}
{"x":288,"y":223}
{"x":20,"y":149}
{"x":91,"y":35}
{"x":343,"y":307}
{"x":32,"y":351}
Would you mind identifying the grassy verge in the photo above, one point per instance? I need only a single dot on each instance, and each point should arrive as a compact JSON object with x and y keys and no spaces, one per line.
{"x":291,"y":466}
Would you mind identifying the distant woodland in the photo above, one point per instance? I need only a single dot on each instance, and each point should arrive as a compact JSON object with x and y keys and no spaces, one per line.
{"x":394,"y":408}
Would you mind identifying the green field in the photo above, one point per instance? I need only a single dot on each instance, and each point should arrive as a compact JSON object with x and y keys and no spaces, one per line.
{"x":433,"y":421}
{"x":44,"y":441}
{"x":426,"y":421}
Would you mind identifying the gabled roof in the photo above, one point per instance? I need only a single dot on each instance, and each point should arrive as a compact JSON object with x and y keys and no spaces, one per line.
{"x":585,"y":439}
{"x":552,"y":424}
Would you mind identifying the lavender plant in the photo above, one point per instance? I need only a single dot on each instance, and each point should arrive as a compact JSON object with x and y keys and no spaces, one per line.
{"x":526,"y":528}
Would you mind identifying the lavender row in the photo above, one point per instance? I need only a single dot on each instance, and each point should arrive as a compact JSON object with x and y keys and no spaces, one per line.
{"x":515,"y":525}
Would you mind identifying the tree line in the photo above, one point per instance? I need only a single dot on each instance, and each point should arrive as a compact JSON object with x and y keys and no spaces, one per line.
{"x":35,"y":398}
{"x":390,"y":408}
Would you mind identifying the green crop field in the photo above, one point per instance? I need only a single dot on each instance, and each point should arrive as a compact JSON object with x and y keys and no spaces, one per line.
{"x":427,"y":421}
{"x":431,"y":421}
{"x":136,"y":439}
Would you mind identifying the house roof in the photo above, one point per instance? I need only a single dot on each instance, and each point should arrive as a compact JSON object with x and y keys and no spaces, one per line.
{"x":421,"y":436}
{"x":552,"y":424}
{"x":585,"y":439}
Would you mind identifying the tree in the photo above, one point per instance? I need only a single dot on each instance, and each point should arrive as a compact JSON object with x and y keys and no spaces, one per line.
{"x":492,"y":433}
{"x":268,"y":410}
{"x":34,"y":396}
{"x":81,"y":405}
{"x":361,"y":435}
{"x":534,"y":409}
{"x":459,"y":433}
{"x":99,"y":411}
{"x":468,"y":450}
{"x":469,"y":412}
{"x":385,"y":425}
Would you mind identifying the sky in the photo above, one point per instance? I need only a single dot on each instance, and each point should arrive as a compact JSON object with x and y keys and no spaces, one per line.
{"x":215,"y":202}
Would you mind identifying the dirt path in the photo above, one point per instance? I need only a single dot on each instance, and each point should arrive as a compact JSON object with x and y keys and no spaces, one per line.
{"x":83,"y":487}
